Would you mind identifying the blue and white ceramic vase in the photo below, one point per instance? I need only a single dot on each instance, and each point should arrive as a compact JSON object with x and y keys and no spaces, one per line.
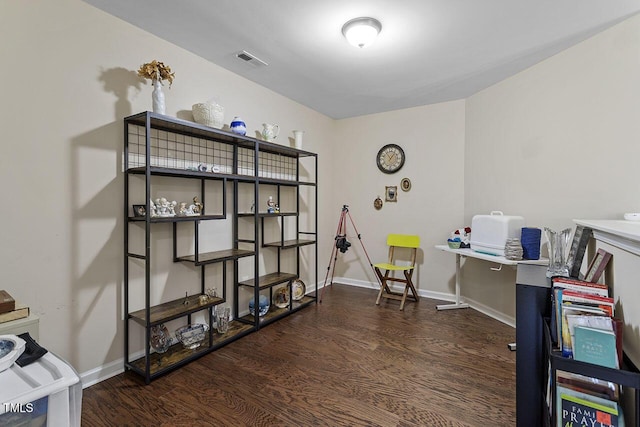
{"x":238,"y":126}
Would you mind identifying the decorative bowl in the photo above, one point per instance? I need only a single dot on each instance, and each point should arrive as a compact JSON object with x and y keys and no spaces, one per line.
{"x":263,"y":306}
{"x":191,"y":336}
{"x":453,"y":245}
{"x":208,"y":114}
{"x":11,"y":347}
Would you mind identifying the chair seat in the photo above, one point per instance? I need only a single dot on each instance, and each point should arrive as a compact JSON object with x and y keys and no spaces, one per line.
{"x":392,"y":267}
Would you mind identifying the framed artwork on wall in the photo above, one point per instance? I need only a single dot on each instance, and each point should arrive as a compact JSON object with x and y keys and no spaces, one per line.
{"x":391,"y":193}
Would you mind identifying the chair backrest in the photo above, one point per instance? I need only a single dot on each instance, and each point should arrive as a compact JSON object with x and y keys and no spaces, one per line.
{"x":403,"y":240}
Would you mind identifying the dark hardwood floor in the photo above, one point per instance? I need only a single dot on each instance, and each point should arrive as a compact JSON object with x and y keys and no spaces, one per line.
{"x":343,"y":362}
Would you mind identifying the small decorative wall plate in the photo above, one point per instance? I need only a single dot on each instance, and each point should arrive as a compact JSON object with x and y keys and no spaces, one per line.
{"x":298,"y":290}
{"x":405,"y":184}
{"x":377,"y":203}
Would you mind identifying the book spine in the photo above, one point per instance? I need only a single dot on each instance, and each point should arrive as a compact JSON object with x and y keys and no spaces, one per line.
{"x":16,"y":314}
{"x":584,"y":283}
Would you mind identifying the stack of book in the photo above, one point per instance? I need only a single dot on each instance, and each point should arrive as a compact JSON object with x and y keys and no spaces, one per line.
{"x":584,"y":324}
{"x":586,"y":401}
{"x":585,"y":329}
{"x":9,"y":310}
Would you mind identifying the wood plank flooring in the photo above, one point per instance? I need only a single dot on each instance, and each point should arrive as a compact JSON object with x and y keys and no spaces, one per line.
{"x":342,"y":362}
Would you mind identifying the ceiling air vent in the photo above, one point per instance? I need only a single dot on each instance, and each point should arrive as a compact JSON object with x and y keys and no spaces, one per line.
{"x":250,"y":58}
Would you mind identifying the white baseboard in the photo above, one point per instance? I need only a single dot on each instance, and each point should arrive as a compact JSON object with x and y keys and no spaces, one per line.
{"x":101,"y":373}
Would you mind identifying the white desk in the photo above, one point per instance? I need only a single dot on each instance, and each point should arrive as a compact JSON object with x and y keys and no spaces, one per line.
{"x":462,"y":253}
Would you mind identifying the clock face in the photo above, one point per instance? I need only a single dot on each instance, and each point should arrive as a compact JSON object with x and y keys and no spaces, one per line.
{"x":390,"y":158}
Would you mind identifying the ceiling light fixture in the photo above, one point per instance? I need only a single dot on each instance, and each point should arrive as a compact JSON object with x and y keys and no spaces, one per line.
{"x":361,"y":32}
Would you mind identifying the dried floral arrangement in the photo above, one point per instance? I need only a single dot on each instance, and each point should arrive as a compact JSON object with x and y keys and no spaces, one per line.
{"x":156,"y":70}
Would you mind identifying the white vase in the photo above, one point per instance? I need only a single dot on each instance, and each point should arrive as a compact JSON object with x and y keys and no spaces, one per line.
{"x":158,"y":97}
{"x":297,"y":137}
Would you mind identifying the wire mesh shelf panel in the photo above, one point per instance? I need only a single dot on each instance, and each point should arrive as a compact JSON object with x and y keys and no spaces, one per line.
{"x":277,"y":166}
{"x":178,"y":151}
{"x":272,"y":165}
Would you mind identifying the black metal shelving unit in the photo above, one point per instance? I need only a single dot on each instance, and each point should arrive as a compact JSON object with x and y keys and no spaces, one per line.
{"x":162,"y":146}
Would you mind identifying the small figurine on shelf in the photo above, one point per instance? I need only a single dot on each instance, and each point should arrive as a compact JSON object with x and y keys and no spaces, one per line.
{"x":277,"y":209}
{"x":153,"y":211}
{"x":271,"y":205}
{"x":196,"y":207}
{"x":212,"y":292}
{"x":165,"y":208}
{"x":185,"y":210}
{"x":182,"y":209}
{"x":253,"y":206}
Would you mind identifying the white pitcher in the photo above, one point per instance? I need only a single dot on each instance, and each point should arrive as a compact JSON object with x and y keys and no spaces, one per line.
{"x":270,"y":132}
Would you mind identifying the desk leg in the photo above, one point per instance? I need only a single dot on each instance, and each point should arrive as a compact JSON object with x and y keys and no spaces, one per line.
{"x":457,"y":304}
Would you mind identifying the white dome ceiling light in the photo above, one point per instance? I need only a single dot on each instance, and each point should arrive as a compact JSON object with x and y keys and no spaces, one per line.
{"x":361,"y":32}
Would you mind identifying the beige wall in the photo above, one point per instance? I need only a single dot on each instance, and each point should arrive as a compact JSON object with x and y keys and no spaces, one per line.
{"x":556,"y":142}
{"x":432,"y":138}
{"x":68,"y":80}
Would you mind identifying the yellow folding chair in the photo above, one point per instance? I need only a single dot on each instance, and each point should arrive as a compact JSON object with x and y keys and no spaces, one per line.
{"x":395,"y":241}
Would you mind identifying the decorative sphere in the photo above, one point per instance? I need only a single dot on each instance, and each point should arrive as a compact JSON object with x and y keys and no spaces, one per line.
{"x":263,"y":306}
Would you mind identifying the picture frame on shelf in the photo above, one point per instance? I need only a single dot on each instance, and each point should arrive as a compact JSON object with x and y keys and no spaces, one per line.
{"x":391,"y":193}
{"x":597,"y":266}
{"x":139,"y":210}
{"x":581,"y":238}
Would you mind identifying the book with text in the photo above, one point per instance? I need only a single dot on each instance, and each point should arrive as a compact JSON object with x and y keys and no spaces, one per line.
{"x":576,"y":409}
{"x":574,"y":309}
{"x":597,"y":346}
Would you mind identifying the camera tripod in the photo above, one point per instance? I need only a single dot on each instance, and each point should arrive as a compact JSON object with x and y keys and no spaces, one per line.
{"x":342,"y":245}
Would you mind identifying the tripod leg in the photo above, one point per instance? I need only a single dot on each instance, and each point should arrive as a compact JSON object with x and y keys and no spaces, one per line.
{"x":334,"y":255}
{"x":364,"y":249}
{"x":332,"y":263}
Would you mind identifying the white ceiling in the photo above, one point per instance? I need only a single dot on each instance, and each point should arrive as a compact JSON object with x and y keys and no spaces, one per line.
{"x":428,"y":51}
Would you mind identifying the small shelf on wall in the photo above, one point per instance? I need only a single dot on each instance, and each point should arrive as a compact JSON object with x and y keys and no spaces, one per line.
{"x":294,"y":243}
{"x":177,"y":355}
{"x":217,"y":256}
{"x":268,"y":280}
{"x":276,"y":313}
{"x":266,"y":214}
{"x":178,"y":218}
{"x":173,"y":309}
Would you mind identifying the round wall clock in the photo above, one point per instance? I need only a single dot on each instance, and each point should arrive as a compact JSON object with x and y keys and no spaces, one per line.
{"x":390,"y":158}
